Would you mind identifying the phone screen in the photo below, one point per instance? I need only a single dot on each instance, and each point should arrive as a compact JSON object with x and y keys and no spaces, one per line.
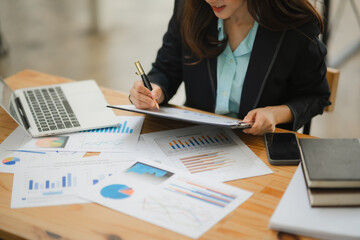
{"x":282,"y":146}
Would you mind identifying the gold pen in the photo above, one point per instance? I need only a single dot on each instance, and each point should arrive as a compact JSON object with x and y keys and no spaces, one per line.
{"x":145,"y":80}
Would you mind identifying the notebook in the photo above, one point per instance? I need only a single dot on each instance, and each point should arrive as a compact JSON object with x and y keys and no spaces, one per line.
{"x":331,"y":163}
{"x":186,"y":115}
{"x":320,"y":197}
{"x":57,"y":109}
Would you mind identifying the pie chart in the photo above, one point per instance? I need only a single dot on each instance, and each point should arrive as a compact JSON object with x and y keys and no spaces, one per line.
{"x":10,"y":160}
{"x":52,"y":142}
{"x":116,"y":191}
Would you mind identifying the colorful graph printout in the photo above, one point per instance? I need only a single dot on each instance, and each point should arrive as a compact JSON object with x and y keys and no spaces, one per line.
{"x":56,"y":178}
{"x":206,"y":151}
{"x":147,"y":174}
{"x":121,"y":138}
{"x":196,"y":141}
{"x":52,"y":142}
{"x":61,"y":182}
{"x":10,"y":160}
{"x":183,"y":203}
{"x":116,"y":191}
{"x":121,"y":128}
{"x":100,"y":178}
{"x":207,"y":161}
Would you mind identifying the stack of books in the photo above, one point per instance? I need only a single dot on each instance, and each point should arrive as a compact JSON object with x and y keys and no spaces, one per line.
{"x":332,"y":171}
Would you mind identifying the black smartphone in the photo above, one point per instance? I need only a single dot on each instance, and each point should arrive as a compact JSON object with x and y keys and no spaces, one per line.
{"x":282,"y":148}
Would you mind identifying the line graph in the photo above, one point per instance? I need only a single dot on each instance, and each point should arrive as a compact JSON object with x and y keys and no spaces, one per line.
{"x":111,"y":138}
{"x":174,"y":210}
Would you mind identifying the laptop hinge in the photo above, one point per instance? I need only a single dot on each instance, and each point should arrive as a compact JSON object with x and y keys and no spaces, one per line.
{"x":22,"y":113}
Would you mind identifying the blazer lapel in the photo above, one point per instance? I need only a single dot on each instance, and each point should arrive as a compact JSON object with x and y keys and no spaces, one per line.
{"x":266,"y":46}
{"x":212,"y":62}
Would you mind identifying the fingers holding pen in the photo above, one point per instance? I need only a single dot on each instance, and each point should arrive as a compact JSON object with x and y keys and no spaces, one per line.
{"x":140,"y":96}
{"x":143,"y":98}
{"x":157,"y":93}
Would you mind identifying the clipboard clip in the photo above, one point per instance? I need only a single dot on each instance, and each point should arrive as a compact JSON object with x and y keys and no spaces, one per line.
{"x":243,"y":125}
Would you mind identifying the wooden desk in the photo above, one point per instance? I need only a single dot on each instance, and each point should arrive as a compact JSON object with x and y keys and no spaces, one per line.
{"x":92,"y":221}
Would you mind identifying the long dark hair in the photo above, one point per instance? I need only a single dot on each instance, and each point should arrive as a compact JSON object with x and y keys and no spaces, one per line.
{"x":275,"y":15}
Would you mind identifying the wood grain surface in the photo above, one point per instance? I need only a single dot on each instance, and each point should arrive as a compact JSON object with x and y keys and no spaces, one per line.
{"x":92,"y":221}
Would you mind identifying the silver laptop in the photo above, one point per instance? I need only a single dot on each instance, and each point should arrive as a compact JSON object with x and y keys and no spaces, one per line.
{"x":57,"y":109}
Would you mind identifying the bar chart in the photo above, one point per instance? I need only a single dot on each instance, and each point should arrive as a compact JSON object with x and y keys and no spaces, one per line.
{"x":52,"y":185}
{"x":194,"y":142}
{"x":207,"y":161}
{"x":121,"y":128}
{"x":217,"y":153}
{"x":100,"y":177}
{"x":120,"y":138}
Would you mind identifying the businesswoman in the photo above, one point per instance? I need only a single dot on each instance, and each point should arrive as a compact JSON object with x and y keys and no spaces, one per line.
{"x":257,"y":60}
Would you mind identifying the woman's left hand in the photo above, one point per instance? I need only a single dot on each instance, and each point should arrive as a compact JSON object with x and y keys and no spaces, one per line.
{"x":265,"y":119}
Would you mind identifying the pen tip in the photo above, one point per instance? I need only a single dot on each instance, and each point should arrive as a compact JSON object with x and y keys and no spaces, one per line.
{"x":156,"y":104}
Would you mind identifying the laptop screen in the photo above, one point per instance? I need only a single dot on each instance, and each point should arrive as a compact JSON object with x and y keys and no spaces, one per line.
{"x":6,"y":96}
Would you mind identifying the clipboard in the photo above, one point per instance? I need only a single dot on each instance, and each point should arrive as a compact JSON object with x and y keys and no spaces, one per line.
{"x":187,"y":115}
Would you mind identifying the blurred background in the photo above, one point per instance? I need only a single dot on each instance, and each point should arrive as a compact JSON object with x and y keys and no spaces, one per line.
{"x":101,"y":40}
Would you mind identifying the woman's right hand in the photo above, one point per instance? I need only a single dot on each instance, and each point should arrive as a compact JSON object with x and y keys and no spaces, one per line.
{"x":143,"y":98}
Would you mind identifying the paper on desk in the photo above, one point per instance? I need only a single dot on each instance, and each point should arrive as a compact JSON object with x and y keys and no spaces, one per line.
{"x":206,"y":151}
{"x":142,"y":149}
{"x":122,"y":138}
{"x":57,"y":180}
{"x":10,"y":159}
{"x":186,"y":115}
{"x":294,"y":214}
{"x":167,"y":197}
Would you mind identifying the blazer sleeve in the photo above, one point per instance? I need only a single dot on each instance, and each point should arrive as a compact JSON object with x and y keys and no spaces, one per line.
{"x":308,"y":84}
{"x":167,"y":69}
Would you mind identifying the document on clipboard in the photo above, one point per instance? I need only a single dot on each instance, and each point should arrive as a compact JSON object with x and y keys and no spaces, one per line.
{"x":187,"y":115}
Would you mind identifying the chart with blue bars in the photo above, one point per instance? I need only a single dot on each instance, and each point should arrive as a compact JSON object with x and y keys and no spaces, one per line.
{"x":100,"y":178}
{"x":121,"y":128}
{"x":54,"y":186}
{"x":181,"y":144}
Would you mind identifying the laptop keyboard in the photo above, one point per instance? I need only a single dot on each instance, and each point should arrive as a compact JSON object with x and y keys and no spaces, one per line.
{"x":50,"y":109}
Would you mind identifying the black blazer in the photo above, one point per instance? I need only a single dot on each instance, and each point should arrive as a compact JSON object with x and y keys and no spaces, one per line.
{"x":285,"y":67}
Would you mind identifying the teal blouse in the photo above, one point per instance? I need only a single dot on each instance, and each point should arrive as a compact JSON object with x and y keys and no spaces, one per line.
{"x":231,"y":70}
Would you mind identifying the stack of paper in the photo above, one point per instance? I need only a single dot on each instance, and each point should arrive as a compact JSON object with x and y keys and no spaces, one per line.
{"x":177,"y":184}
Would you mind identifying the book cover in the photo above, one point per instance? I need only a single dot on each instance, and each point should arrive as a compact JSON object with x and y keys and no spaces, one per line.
{"x":320,"y":197}
{"x":331,"y":163}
